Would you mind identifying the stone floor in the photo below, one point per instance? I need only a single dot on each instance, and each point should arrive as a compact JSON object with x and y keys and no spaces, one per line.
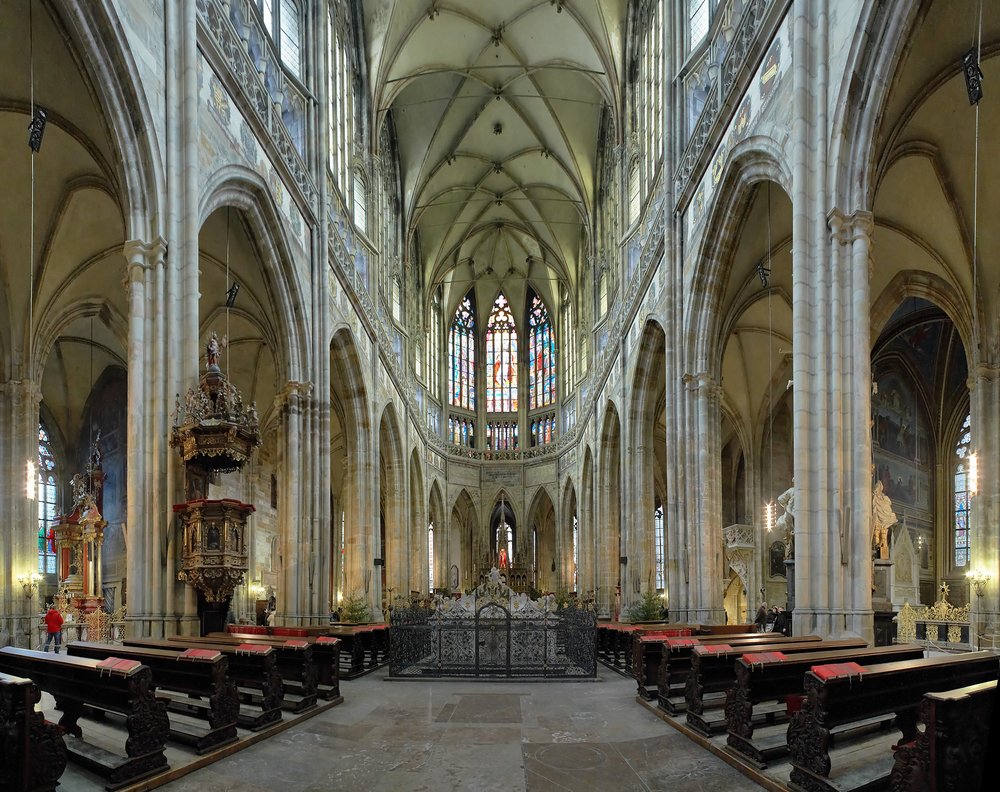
{"x":506,"y":736}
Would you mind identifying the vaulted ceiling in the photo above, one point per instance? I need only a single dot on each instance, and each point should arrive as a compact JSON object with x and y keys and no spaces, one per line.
{"x":497,"y":109}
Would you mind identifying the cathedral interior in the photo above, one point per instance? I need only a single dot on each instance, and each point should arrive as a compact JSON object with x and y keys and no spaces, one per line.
{"x":682,"y":302}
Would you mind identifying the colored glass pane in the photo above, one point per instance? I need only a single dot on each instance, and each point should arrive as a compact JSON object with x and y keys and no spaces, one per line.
{"x":541,"y":355}
{"x":462,"y":351}
{"x":501,"y":358}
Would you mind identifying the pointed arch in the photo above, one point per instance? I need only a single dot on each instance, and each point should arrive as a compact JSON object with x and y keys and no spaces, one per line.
{"x":351,"y":459}
{"x":569,"y":540}
{"x":609,"y":505}
{"x":244,"y":189}
{"x":586,"y":551}
{"x":393,"y":547}
{"x":419,"y":520}
{"x":435,"y":522}
{"x":540,"y":535}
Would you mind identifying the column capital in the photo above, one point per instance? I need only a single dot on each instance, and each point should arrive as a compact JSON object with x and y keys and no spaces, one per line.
{"x":850,"y":228}
{"x":141,"y":255}
{"x":703,"y":383}
{"x":22,"y":391}
{"x":291,"y":393}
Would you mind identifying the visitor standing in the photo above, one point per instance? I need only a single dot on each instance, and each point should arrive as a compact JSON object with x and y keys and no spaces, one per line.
{"x":53,"y":625}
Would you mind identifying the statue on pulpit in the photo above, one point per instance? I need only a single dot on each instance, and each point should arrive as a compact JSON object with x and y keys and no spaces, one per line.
{"x":883,"y":518}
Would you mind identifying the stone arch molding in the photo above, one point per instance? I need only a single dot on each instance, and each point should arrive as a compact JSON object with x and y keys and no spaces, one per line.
{"x":753,"y":161}
{"x":927,"y":286}
{"x":101,"y":45}
{"x":244,"y":189}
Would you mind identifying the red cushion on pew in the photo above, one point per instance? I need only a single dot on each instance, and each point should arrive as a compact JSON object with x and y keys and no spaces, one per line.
{"x":199,"y":654}
{"x":837,"y":670}
{"x":703,"y":649}
{"x":253,"y":648}
{"x":675,"y":642}
{"x":297,"y":644}
{"x":763,"y":657}
{"x":117,"y":665}
{"x":327,"y":639}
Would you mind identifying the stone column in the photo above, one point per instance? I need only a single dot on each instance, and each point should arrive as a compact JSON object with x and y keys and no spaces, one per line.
{"x":706,"y":551}
{"x":19,"y":403}
{"x":985,"y":534}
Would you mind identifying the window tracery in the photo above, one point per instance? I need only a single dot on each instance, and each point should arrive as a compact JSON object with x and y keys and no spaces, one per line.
{"x":47,"y":494}
{"x":541,"y":356}
{"x":462,"y":356}
{"x":501,"y":358}
{"x":962,"y":501}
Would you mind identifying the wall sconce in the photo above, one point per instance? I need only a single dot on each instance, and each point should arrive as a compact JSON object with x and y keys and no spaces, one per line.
{"x":978,"y":578}
{"x":29,"y":583}
{"x":257,"y":591}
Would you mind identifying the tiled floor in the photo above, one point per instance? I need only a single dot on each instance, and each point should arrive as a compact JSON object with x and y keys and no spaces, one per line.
{"x":424,"y":736}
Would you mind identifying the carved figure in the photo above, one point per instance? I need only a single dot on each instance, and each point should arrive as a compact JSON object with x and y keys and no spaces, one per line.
{"x":883,"y":519}
{"x":212,"y":351}
{"x":786,"y":522}
{"x":502,"y":563}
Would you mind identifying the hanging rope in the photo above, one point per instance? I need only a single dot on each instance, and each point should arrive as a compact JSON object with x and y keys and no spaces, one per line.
{"x":975,"y":196}
{"x":31,"y":255}
{"x":770,"y":376}
{"x":228,"y":229}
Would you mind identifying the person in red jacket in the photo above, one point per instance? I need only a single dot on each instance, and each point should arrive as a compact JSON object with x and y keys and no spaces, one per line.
{"x":53,"y":623}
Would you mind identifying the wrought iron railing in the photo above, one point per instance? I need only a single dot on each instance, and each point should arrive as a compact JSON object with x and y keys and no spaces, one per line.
{"x":492,"y":641}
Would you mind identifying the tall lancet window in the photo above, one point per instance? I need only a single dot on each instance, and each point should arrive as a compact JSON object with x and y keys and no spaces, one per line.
{"x":462,"y":354}
{"x":46,"y":500}
{"x":962,"y":501}
{"x":430,"y":557}
{"x":501,"y":358}
{"x":661,"y":554}
{"x":541,"y":355}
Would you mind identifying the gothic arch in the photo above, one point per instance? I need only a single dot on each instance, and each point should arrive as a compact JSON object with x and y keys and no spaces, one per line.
{"x":586,"y":575}
{"x":351,"y":438}
{"x":540,"y":530}
{"x":106,"y":56}
{"x":927,"y":286}
{"x":392,"y":494}
{"x":648,"y":396}
{"x":754,"y":161}
{"x":435,"y":516}
{"x":418,"y":525}
{"x":567,"y":568}
{"x":609,"y":545}
{"x":877,"y":50}
{"x":245,"y":190}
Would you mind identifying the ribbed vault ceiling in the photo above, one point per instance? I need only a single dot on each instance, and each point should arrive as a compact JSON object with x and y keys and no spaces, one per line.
{"x":497,"y":110}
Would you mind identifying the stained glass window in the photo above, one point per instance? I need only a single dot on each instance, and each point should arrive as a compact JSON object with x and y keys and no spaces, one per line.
{"x":462,"y":356}
{"x":541,"y":356}
{"x":47,"y":493}
{"x":962,"y":499}
{"x":462,"y":431}
{"x":430,"y":557}
{"x":661,"y":565}
{"x":501,"y":359}
{"x":543,"y":429}
{"x":501,"y":435}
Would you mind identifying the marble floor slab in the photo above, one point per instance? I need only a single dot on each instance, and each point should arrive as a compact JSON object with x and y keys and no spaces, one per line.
{"x":434,"y":736}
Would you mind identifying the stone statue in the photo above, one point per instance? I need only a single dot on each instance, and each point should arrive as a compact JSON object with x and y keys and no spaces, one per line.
{"x":786,"y":522}
{"x":883,"y":519}
{"x":212,"y":351}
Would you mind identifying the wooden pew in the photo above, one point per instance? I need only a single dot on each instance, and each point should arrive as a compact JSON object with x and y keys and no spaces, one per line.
{"x":760,"y":678}
{"x":856,"y":694}
{"x":647,"y":650}
{"x":713,"y":671}
{"x":32,"y":750}
{"x":258,"y":683}
{"x":359,"y":641}
{"x":78,"y":682}
{"x":202,"y":678}
{"x":675,"y":663}
{"x":950,"y":753}
{"x":295,"y":664}
{"x":325,"y":655}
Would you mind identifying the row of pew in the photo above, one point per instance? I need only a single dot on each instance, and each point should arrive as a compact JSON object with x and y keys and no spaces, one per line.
{"x":190,"y":690}
{"x":616,"y":641}
{"x":803,"y":698}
